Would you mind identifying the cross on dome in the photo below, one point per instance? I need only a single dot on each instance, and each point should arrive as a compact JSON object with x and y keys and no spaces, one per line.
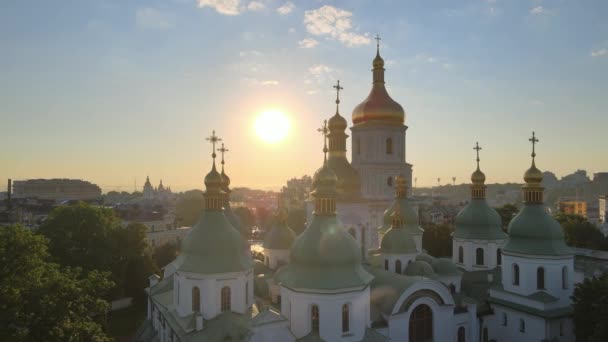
{"x":477,"y":148}
{"x":324,"y":131}
{"x":222,"y":150}
{"x":213,"y":139}
{"x":533,"y":140}
{"x":378,"y":43}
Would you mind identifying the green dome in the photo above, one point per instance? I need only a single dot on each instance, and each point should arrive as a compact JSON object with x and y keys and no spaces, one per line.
{"x":214,"y":246}
{"x":534,"y":231}
{"x":325,"y":257}
{"x":426,"y":258}
{"x":445,"y":267}
{"x":349,"y":182}
{"x":409,"y":216}
{"x":280,"y":236}
{"x":398,"y":241}
{"x":235,"y":221}
{"x":419,"y":268}
{"x":478,"y":221}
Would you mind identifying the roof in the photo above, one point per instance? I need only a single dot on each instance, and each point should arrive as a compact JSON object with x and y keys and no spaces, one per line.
{"x":420,"y":268}
{"x":398,"y":241}
{"x":386,"y":288}
{"x":213,"y":246}
{"x":475,"y":285}
{"x":534,"y":231}
{"x":280,"y":236}
{"x":478,"y":221}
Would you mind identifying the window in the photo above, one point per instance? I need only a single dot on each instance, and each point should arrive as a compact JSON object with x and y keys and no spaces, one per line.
{"x":345,"y":319}
{"x":225,"y":299}
{"x":564,"y":277}
{"x":499,"y":257}
{"x":460,"y":254}
{"x":389,"y":146}
{"x":479,"y":256}
{"x":389,"y":181}
{"x":522,"y":325}
{"x":515,"y":274}
{"x":398,"y":266}
{"x":196,"y":299}
{"x":461,"y":335}
{"x":540,"y":278}
{"x":247,"y":293}
{"x":421,"y":324}
{"x":386,"y":264}
{"x":314,"y":319}
{"x":505,"y":319}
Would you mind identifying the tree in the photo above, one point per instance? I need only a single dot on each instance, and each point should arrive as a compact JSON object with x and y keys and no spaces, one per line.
{"x":164,"y":254}
{"x":590,"y":301}
{"x":437,"y":240}
{"x":39,"y":301}
{"x":507,"y":212}
{"x":296,"y":220}
{"x":190,"y":207}
{"x":245,"y":216}
{"x":580,"y":233}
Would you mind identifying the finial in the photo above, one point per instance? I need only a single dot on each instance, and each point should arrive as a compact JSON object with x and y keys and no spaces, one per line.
{"x":223,"y":150}
{"x":534,"y":141}
{"x":323,"y":130}
{"x":213,"y":139}
{"x":338,"y":88}
{"x":477,"y":148}
{"x":377,"y":43}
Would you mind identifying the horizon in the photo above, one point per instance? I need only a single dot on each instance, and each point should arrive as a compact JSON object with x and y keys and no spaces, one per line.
{"x":110,"y":93}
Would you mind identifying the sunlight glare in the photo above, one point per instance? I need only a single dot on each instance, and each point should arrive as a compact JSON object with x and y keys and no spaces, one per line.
{"x":272,"y":125}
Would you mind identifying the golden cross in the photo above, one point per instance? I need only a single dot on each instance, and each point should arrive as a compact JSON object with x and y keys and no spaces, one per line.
{"x":477,"y":148}
{"x":378,"y":42}
{"x":213,"y":139}
{"x":338,"y":88}
{"x":323,"y":130}
{"x":222,"y":150}
{"x":534,"y":141}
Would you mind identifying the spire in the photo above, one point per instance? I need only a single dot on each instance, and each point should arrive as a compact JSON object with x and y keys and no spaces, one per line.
{"x":338,"y":88}
{"x":533,"y":191}
{"x":478,"y":178}
{"x":378,"y":44}
{"x":324,"y":131}
{"x":378,"y":70}
{"x":213,"y":181}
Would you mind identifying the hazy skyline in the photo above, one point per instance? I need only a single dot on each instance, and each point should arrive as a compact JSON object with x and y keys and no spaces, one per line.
{"x":113,"y":91}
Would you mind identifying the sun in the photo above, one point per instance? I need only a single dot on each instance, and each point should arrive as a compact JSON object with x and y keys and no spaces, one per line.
{"x":272,"y":125}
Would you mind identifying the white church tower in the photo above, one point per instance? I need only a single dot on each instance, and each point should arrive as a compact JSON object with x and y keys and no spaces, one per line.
{"x":378,"y":131}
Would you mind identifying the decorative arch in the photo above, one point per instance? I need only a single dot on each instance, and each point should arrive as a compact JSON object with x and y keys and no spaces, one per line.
{"x":421,"y":324}
{"x":389,"y":146}
{"x":420,"y":294}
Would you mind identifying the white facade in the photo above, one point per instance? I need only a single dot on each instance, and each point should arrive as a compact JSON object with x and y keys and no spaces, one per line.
{"x":275,"y":258}
{"x":477,"y":255}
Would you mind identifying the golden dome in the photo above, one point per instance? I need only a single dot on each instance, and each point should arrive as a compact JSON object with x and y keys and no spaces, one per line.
{"x":379,"y":106}
{"x":478,"y":177}
{"x":533,"y":175}
{"x":337,"y":123}
{"x":213,"y":180}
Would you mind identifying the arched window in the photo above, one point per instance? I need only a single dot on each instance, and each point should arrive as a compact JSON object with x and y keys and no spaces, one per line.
{"x":314,"y":319}
{"x":515,"y":274}
{"x":564,"y":277}
{"x":386,"y":264}
{"x":421,"y":324}
{"x":226,"y":299}
{"x":540,"y":278}
{"x":196,"y":299}
{"x":522,"y":325}
{"x":505,"y":319}
{"x":460,"y":254}
{"x":479,"y":256}
{"x":398,"y":266}
{"x":247,"y":293}
{"x":389,"y":146}
{"x":499,"y":257}
{"x":345,"y":319}
{"x":389,"y":181}
{"x":461,"y":335}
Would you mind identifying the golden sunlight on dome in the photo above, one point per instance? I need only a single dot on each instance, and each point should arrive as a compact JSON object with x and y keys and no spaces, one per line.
{"x":272,"y":125}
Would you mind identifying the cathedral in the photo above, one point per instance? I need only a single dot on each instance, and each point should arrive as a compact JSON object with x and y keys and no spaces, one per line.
{"x":358,"y":271}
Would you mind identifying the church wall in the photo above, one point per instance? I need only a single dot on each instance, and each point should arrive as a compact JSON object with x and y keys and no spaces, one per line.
{"x":443,"y":321}
{"x":470,"y":247}
{"x":298,"y":305}
{"x":392,"y":260}
{"x":536,"y":328}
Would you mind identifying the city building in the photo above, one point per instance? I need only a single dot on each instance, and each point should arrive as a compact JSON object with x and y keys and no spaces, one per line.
{"x":573,"y":207}
{"x":331,"y":284}
{"x":56,"y":189}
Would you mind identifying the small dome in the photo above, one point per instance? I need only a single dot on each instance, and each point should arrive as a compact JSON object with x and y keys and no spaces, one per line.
{"x":337,"y":123}
{"x":213,"y":180}
{"x":280,"y":236}
{"x":378,"y":62}
{"x":478,"y":221}
{"x":419,"y":268}
{"x":349,"y":182}
{"x":445,"y":267}
{"x":324,"y":181}
{"x":426,"y":258}
{"x":398,"y":241}
{"x":225,"y":181}
{"x":533,"y":175}
{"x":478,"y":177}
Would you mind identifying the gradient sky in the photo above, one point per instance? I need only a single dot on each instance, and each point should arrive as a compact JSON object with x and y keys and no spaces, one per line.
{"x":112,"y":91}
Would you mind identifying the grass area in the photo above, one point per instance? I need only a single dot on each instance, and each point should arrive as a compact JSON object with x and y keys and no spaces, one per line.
{"x":122,"y":324}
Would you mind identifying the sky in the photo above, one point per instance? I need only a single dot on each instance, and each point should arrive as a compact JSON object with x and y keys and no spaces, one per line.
{"x":113,"y":91}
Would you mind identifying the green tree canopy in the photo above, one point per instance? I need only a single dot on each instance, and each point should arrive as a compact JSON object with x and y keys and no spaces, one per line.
{"x":581,"y":233}
{"x":190,"y":207}
{"x":507,"y":212}
{"x":39,"y":301}
{"x":437,"y":240}
{"x":590,"y":300}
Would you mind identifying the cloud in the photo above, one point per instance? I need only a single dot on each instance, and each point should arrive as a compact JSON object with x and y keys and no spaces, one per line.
{"x":599,"y":53}
{"x":287,"y":8}
{"x":308,"y":43}
{"x":255,"y":6}
{"x":254,"y":82}
{"x":319,"y":69}
{"x":538,"y":10}
{"x":334,"y":22}
{"x":227,"y":7}
{"x":150,"y":18}
{"x":249,"y":53}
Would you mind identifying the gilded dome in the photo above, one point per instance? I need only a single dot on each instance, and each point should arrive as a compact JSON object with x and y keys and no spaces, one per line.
{"x":324,"y":181}
{"x":213,"y":180}
{"x":478,"y":177}
{"x":225,"y":181}
{"x":533,"y":175}
{"x":337,"y":123}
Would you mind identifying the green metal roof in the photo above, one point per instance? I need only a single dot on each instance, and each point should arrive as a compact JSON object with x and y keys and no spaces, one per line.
{"x":386,"y":288}
{"x":445,"y":267}
{"x":479,"y":221}
{"x":398,"y":241}
{"x":235,"y":221}
{"x":213,"y":246}
{"x":408,"y":214}
{"x":420,"y":268}
{"x":324,"y":257}
{"x":280,"y":236}
{"x":534,"y":231}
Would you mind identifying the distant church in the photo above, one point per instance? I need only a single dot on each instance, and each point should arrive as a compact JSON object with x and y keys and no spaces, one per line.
{"x":337,"y":281}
